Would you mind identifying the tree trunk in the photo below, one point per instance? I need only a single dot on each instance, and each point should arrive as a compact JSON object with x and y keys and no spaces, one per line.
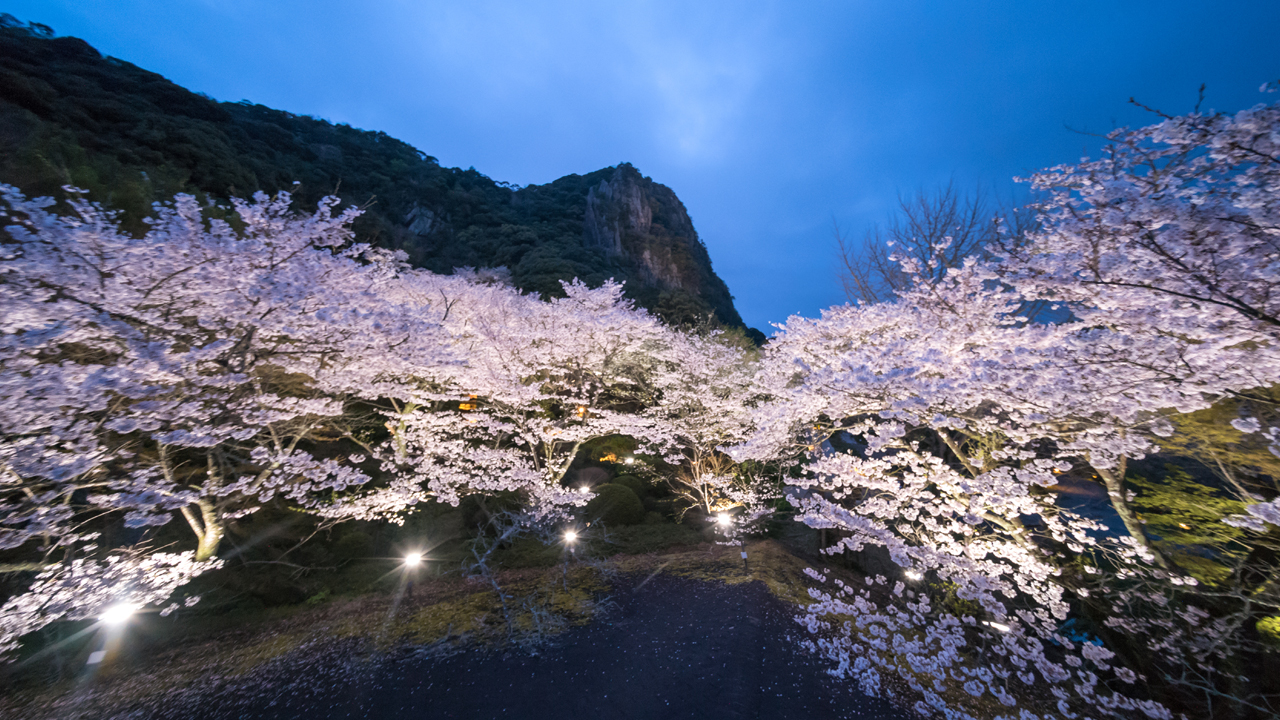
{"x":207,"y":527}
{"x":1114,"y":480}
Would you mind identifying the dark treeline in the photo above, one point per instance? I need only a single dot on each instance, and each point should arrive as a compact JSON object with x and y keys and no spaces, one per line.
{"x":69,"y":116}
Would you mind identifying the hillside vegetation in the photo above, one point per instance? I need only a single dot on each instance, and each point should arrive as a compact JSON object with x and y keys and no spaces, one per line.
{"x":69,"y":116}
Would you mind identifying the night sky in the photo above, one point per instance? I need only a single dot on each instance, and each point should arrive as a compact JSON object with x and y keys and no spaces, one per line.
{"x":771,"y":121}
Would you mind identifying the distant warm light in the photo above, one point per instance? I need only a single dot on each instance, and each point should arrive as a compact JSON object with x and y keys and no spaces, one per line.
{"x":723,"y":519}
{"x":998,"y":626}
{"x":118,"y":614}
{"x":914,"y":575}
{"x":1184,"y":526}
{"x":413,"y":560}
{"x":570,"y":536}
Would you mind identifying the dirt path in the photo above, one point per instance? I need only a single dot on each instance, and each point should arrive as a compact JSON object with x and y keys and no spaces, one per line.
{"x":673,"y":648}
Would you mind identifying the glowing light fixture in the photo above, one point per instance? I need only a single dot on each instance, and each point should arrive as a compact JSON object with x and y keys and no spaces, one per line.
{"x":584,"y":489}
{"x":998,"y":626}
{"x":630,"y":461}
{"x":118,"y":614}
{"x":413,"y":560}
{"x":570,"y":536}
{"x":913,"y":575}
{"x":723,"y":519}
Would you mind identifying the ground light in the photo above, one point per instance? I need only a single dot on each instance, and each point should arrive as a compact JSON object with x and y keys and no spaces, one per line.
{"x":570,"y":536}
{"x":723,"y":519}
{"x":117,"y":614}
{"x":413,"y":560}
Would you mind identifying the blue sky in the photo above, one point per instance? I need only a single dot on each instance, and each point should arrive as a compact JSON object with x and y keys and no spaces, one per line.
{"x":771,"y":121}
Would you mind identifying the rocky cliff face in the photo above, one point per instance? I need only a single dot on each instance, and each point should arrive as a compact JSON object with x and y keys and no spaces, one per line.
{"x":644,"y":225}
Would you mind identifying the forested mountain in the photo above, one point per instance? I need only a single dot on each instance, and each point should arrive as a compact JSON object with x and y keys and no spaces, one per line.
{"x":69,"y":116}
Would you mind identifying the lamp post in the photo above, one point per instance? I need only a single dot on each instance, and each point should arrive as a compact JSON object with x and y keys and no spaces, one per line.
{"x":570,"y":537}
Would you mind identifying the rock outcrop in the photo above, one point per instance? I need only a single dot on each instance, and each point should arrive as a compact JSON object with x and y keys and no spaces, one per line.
{"x":644,"y":224}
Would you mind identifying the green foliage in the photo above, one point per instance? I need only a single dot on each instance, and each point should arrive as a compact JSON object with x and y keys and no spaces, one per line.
{"x":1238,"y":458}
{"x":529,"y":552}
{"x":944,"y":594}
{"x":353,"y":544}
{"x":318,"y":598}
{"x":638,"y":486}
{"x":1269,"y":630}
{"x":615,"y":505}
{"x":1186,"y":517}
{"x":647,"y":538}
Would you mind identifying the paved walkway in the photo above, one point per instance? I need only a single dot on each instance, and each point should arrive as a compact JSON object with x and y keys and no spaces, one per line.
{"x":674,"y":648}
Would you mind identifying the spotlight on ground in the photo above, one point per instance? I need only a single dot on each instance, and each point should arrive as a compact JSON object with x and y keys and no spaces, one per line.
{"x":118,"y":614}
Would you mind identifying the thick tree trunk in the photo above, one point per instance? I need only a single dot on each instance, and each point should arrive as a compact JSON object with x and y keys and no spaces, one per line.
{"x":207,"y":527}
{"x":1114,"y":480}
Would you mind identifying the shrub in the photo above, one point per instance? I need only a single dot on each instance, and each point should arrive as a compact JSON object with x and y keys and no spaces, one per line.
{"x":352,"y":545}
{"x":638,"y":486}
{"x":652,"y":538}
{"x":529,"y":552}
{"x":1269,"y":629}
{"x":615,"y":505}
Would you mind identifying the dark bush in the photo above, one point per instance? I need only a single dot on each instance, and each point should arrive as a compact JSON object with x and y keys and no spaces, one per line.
{"x":652,"y":538}
{"x":530,"y":552}
{"x":615,"y":505}
{"x":476,"y":509}
{"x":352,"y":545}
{"x":638,"y":486}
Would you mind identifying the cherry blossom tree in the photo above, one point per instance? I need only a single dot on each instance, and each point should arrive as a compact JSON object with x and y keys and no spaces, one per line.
{"x":961,"y":411}
{"x":710,"y":406}
{"x":191,"y":371}
{"x":944,"y":479}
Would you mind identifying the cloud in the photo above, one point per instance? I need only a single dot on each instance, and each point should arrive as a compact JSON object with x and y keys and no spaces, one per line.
{"x":681,"y":79}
